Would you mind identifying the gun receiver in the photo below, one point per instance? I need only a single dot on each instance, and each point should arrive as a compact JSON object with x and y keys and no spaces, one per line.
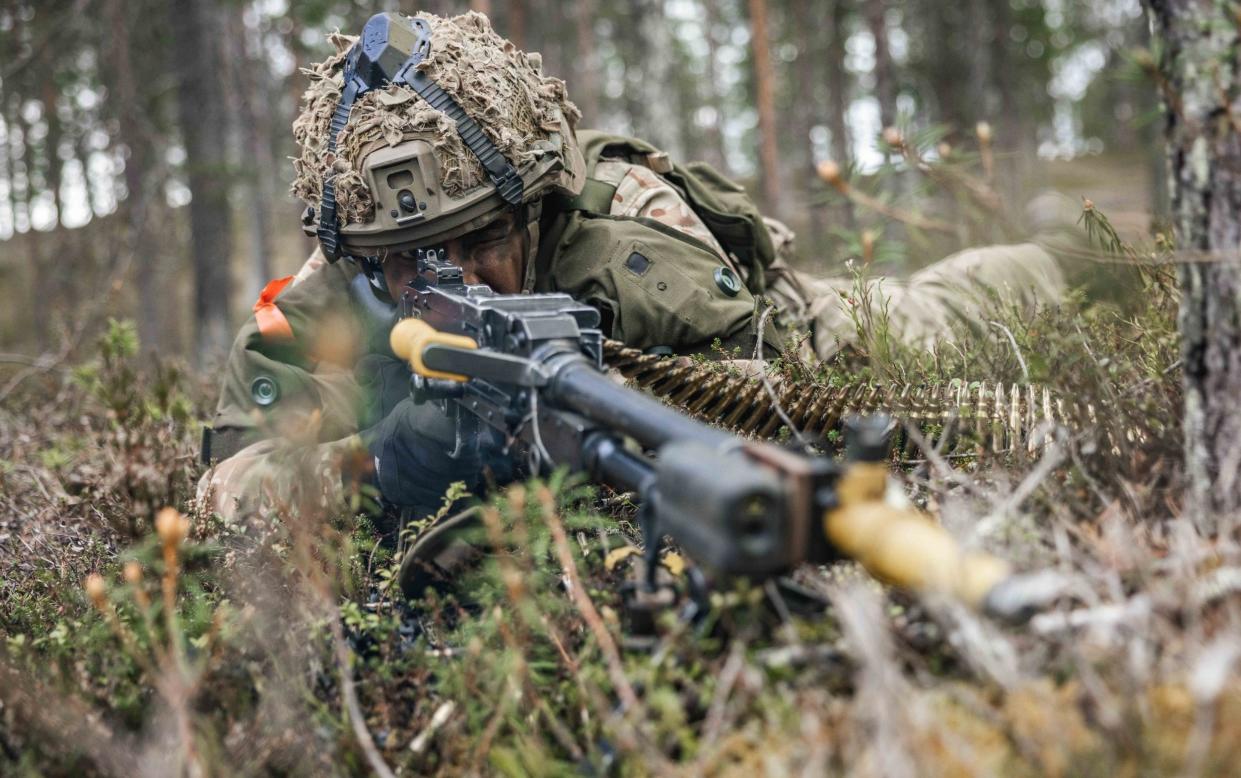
{"x":531,"y":366}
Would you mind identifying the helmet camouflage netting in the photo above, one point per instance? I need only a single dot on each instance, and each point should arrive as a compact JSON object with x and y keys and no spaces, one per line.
{"x":502,"y":88}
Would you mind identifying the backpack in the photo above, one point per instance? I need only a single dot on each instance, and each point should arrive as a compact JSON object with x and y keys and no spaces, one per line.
{"x":729,"y":213}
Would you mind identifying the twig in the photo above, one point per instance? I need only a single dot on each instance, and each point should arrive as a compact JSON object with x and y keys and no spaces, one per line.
{"x":616,"y":670}
{"x":438,"y":719}
{"x":830,"y":173}
{"x":719,"y":702}
{"x":41,"y":362}
{"x":1050,"y":461}
{"x":350,"y":696}
{"x":771,"y":391}
{"x":1025,"y":371}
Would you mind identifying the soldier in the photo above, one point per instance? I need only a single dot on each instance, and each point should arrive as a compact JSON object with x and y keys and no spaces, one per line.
{"x":474,"y":151}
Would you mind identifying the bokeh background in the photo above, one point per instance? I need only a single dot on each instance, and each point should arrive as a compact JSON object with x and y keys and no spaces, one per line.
{"x":145,"y":144}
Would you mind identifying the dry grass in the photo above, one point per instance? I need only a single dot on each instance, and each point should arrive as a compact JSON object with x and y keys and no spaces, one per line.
{"x":133,"y":643}
{"x":278,"y":646}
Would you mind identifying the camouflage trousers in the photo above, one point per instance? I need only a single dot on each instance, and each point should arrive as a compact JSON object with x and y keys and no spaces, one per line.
{"x":930,"y":306}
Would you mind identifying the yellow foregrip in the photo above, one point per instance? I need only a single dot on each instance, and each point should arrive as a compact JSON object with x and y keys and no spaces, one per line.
{"x":903,"y":546}
{"x":410,"y":336}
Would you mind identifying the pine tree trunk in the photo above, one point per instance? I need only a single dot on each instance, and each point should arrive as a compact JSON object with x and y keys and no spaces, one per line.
{"x":517,"y":23}
{"x":202,"y":112}
{"x":652,"y":57}
{"x":885,"y":82}
{"x":1199,"y":71}
{"x":765,"y":88}
{"x":838,"y":96}
{"x":583,"y":81}
{"x":946,"y":74}
{"x":806,"y":114}
{"x":46,"y":291}
{"x":151,"y":333}
{"x":713,"y":150}
{"x":252,"y":142}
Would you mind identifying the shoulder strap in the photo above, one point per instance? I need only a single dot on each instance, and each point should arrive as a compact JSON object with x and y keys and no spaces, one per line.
{"x":596,"y":197}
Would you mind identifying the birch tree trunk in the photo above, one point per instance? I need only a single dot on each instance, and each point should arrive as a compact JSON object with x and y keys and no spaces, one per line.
{"x":1202,"y":106}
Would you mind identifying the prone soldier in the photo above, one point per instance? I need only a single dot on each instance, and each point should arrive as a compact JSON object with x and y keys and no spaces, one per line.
{"x":434,"y":133}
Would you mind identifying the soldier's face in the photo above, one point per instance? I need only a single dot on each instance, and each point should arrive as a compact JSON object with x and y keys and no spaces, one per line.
{"x":493,"y":255}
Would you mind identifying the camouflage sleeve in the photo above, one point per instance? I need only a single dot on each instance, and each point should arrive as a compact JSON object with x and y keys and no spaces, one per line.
{"x":657,"y":274}
{"x":288,"y":406}
{"x":276,"y":475}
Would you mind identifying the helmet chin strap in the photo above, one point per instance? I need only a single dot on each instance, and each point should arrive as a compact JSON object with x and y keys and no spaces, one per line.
{"x":530,"y":244}
{"x":372,"y":268}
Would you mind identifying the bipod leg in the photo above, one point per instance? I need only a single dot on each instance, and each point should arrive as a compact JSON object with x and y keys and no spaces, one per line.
{"x":646,"y":597}
{"x":653,"y":542}
{"x":699,"y":605}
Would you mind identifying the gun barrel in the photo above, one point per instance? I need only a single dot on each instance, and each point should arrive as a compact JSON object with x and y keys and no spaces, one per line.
{"x":581,"y":388}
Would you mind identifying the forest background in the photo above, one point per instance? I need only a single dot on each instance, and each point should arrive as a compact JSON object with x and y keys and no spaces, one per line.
{"x":145,"y":144}
{"x":144,"y":166}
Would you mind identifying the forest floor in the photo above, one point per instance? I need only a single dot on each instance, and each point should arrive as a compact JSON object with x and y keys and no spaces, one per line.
{"x":283,"y":646}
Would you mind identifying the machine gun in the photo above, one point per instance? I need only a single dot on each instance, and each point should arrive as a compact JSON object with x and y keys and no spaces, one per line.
{"x":530,"y":367}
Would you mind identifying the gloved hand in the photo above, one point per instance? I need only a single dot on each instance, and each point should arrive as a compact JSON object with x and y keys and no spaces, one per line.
{"x":411,"y":443}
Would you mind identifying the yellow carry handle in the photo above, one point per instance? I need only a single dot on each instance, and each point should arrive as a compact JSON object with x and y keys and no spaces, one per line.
{"x":903,"y":546}
{"x":410,"y":336}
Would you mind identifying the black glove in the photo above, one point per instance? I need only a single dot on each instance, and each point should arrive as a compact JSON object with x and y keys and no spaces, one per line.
{"x":412,"y":447}
{"x":384,"y":381}
{"x":411,"y":443}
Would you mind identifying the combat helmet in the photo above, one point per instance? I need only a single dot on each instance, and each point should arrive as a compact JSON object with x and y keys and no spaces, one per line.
{"x":434,"y":127}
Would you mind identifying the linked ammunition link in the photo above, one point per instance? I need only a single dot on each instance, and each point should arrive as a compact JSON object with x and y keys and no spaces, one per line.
{"x":993,"y":416}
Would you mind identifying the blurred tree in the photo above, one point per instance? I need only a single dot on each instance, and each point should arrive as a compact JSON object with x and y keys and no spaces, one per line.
{"x":713,"y":148}
{"x":583,"y":79}
{"x":764,"y":84}
{"x":642,"y":44}
{"x":133,"y":121}
{"x":255,"y":163}
{"x":805,"y":112}
{"x":204,"y":122}
{"x":1201,"y":84}
{"x":838,"y":97}
{"x":885,"y":79}
{"x":52,"y":178}
{"x":517,"y":23}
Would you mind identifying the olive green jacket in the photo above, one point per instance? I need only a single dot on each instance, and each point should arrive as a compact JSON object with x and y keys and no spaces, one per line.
{"x":650,"y":267}
{"x":631,"y":247}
